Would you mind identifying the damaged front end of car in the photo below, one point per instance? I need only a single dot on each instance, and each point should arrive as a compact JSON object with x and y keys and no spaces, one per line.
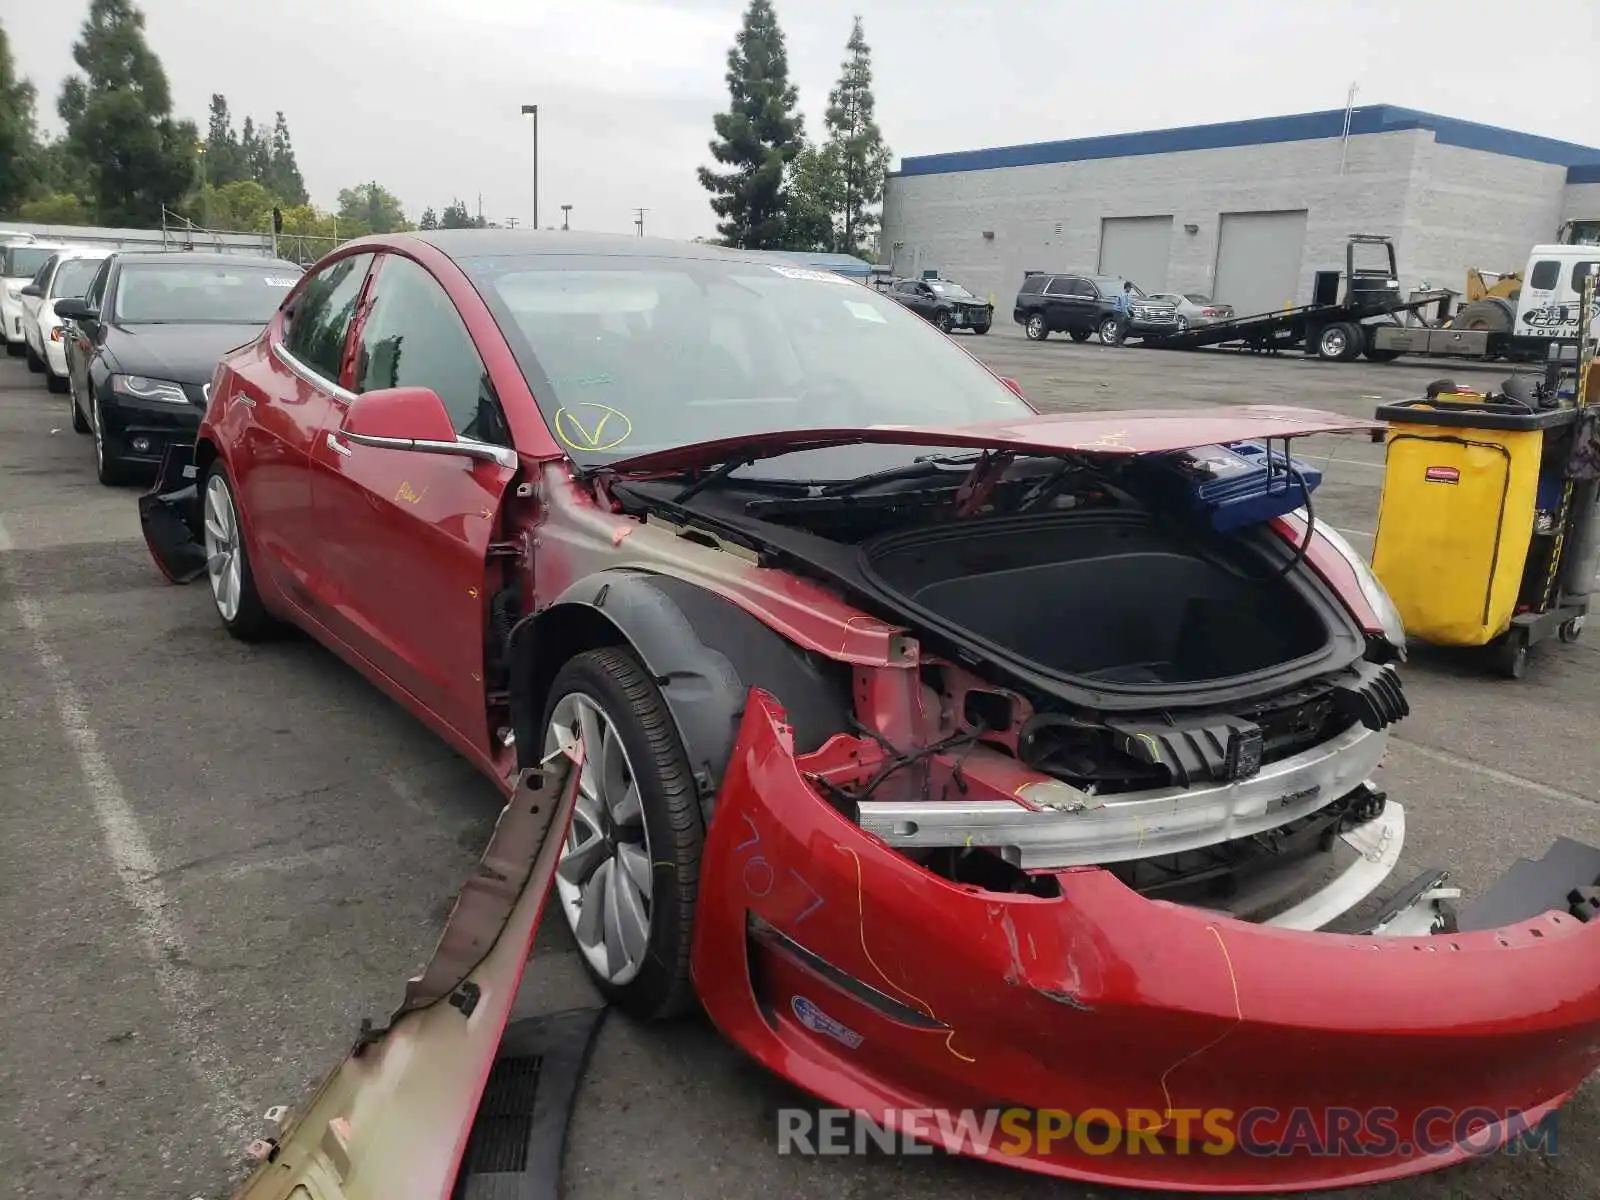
{"x":1000,"y":957}
{"x":169,"y":516}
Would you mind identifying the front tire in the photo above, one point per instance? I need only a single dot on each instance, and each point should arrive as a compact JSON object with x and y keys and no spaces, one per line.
{"x":108,"y":468}
{"x":629,"y":872}
{"x":943,"y":322}
{"x":55,"y":383}
{"x":1111,"y":331}
{"x":228,"y":571}
{"x":1036,"y":329}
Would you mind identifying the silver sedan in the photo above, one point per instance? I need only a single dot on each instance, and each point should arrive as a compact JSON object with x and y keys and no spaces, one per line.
{"x":1195,"y":310}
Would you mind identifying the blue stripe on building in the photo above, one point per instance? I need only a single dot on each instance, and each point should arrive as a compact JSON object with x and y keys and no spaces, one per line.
{"x":1582,"y":162}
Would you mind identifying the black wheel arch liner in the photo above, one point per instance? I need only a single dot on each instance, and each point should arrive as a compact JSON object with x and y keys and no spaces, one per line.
{"x":703,"y":651}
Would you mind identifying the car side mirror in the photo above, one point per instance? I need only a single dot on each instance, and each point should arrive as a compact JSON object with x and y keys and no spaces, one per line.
{"x":32,"y":290}
{"x":72,"y":309}
{"x":1013,"y":385}
{"x":413,"y":419}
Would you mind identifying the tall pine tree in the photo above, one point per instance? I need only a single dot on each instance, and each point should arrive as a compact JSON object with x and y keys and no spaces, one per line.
{"x":282,"y":176}
{"x":118,"y":114}
{"x":757,"y":138}
{"x":856,"y":146}
{"x":224,"y":159}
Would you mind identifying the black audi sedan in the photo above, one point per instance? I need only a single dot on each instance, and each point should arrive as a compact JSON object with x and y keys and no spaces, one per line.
{"x":145,"y":340}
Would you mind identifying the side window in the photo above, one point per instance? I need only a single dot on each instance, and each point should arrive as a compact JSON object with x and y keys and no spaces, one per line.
{"x":1061,"y":285}
{"x":322,"y":315}
{"x":1546,"y":274}
{"x":96,"y":292}
{"x":1579,"y":271}
{"x":42,"y":276}
{"x":414,"y":337}
{"x":1083,"y":287}
{"x":1032,"y":284}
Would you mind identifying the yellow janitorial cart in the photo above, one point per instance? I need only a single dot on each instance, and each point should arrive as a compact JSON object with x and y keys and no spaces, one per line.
{"x":1487,"y":533}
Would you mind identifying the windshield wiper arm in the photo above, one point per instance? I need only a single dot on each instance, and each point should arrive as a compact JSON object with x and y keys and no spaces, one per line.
{"x":717,"y":476}
{"x":926,"y":465}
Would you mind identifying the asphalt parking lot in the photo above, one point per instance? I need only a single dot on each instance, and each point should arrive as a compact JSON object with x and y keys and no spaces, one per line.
{"x":216,"y":859}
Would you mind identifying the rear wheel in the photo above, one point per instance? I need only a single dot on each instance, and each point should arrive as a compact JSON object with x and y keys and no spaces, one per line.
{"x":980,"y":330}
{"x":233,"y":583}
{"x":35,"y":363}
{"x":14,"y":349}
{"x":53,"y":381}
{"x":80,"y":423}
{"x":629,"y":871}
{"x":1571,"y":629}
{"x":1339,"y":342}
{"x":1037,"y":330}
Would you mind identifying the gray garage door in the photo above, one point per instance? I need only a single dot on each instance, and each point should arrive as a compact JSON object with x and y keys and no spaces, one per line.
{"x":1258,"y":261}
{"x":1137,"y":248}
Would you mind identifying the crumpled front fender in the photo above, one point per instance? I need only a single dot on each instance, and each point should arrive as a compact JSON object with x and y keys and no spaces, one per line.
{"x":877,"y":985}
{"x":169,"y":515}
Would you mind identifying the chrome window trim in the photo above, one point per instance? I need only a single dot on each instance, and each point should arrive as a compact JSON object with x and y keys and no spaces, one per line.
{"x":282,"y":354}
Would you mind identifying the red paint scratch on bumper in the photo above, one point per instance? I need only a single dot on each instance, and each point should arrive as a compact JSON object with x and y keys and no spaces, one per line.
{"x":1101,"y":999}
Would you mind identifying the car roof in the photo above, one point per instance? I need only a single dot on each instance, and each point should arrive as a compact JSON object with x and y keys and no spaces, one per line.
{"x":457,"y":244}
{"x":203,"y":258}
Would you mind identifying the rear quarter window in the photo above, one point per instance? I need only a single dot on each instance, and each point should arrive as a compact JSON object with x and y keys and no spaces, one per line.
{"x":1032,"y":285}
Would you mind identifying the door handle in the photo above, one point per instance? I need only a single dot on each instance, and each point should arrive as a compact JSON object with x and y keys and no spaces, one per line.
{"x":337,"y":446}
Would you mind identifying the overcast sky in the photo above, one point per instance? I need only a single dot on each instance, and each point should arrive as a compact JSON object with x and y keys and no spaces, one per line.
{"x":424,"y":95}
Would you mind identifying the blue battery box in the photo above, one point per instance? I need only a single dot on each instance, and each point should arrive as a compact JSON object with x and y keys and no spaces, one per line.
{"x":1231,"y":486}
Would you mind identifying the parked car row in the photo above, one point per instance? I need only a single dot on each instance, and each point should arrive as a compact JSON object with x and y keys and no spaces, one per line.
{"x":1108,"y":306}
{"x":133,"y":337}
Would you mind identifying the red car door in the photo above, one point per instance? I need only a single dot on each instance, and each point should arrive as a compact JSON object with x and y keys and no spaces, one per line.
{"x":404,"y":534}
{"x":278,"y":400}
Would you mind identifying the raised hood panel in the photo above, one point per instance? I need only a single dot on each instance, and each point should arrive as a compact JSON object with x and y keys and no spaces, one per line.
{"x":1148,"y":431}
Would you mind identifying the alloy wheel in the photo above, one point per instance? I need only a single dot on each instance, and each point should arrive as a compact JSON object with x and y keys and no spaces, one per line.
{"x":1036,"y":327}
{"x":1183,"y":324}
{"x":603,"y":876}
{"x":223,"y":567}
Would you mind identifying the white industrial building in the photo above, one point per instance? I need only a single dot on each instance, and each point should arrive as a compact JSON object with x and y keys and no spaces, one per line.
{"x":1248,"y":211}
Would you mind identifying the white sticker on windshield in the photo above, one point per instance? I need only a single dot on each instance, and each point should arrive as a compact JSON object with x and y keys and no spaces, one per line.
{"x":807,"y":273}
{"x":280,"y":281}
{"x":864,"y":312}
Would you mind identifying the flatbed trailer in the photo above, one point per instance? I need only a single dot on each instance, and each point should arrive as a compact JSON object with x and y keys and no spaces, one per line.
{"x":1336,"y":331}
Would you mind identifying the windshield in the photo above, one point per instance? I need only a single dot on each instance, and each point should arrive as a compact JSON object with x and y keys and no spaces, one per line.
{"x":628,"y":355}
{"x":1197,"y":298}
{"x":73,"y":278}
{"x":954,"y":290}
{"x":201,"y":294}
{"x":25,"y":261}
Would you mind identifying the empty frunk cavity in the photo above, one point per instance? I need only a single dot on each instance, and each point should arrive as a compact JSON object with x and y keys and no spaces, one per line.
{"x":1111,"y":598}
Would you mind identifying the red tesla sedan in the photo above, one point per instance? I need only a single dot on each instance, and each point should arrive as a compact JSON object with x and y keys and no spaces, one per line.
{"x":954,"y":756}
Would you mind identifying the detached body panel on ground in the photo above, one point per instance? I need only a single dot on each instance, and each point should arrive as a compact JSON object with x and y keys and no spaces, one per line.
{"x":784,"y":574}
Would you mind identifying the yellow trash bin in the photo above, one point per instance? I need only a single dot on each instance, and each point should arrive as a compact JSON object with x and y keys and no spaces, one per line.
{"x":1456,"y":518}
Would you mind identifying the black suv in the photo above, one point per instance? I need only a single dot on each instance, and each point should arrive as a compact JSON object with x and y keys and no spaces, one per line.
{"x":1081,"y":305}
{"x":948,"y":305}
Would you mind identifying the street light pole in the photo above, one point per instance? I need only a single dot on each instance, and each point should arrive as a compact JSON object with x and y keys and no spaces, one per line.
{"x":532,"y":111}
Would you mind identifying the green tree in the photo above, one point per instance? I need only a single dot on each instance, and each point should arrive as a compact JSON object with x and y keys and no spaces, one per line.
{"x":757,"y":138}
{"x":430,"y":219}
{"x":815,"y":196}
{"x":856,"y":143}
{"x":19,"y":144}
{"x":54,"y":208}
{"x":372,"y":209}
{"x":456,"y":216}
{"x":255,"y":150}
{"x":282,"y":176}
{"x":118,"y":114}
{"x":225,"y":160}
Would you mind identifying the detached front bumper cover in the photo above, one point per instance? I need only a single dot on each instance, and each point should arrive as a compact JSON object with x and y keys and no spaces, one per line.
{"x":880,"y":987}
{"x":169,"y":515}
